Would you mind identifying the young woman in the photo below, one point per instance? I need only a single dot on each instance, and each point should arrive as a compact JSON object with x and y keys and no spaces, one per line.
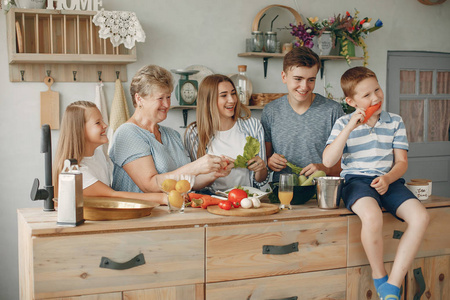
{"x":222,"y":127}
{"x":82,"y":132}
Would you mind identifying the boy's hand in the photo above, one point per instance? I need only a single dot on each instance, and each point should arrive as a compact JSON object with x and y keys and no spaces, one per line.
{"x":380,"y":184}
{"x":357,"y":118}
{"x":277,"y":162}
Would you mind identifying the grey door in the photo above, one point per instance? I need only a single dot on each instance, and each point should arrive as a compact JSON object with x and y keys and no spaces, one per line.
{"x":418,"y":89}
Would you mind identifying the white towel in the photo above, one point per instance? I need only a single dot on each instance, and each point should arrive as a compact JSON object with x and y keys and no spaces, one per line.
{"x":100,"y":101}
{"x":119,"y":111}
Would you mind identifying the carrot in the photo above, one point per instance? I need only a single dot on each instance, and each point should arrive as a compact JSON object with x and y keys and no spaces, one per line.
{"x":370,"y":111}
{"x":203,"y":200}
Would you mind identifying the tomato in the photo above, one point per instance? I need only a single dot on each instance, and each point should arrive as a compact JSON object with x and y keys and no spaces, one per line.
{"x":236,"y":195}
{"x":225,"y":204}
{"x":236,"y":204}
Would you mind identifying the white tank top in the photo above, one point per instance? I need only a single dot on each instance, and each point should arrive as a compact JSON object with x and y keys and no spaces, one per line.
{"x":230,"y":143}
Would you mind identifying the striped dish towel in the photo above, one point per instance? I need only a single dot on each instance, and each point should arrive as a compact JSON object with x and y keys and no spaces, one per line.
{"x":119,"y":111}
{"x":100,"y":101}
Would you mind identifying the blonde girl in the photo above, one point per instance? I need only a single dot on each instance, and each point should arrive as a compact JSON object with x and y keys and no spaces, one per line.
{"x":82,"y":133}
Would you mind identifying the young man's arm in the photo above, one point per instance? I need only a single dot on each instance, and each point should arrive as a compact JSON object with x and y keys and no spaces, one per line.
{"x":275,"y":161}
{"x":381,"y":184}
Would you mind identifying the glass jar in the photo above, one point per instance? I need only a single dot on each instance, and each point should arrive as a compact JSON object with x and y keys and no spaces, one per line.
{"x":271,"y":41}
{"x":257,"y":41}
{"x":242,"y":84}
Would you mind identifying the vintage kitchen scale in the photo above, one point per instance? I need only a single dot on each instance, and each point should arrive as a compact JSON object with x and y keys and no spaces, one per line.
{"x":186,"y":90}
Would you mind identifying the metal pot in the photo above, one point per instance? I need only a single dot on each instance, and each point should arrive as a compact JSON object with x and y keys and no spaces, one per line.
{"x":328,"y":191}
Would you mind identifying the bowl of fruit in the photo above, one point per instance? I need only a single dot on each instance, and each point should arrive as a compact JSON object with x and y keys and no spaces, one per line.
{"x":176,"y":187}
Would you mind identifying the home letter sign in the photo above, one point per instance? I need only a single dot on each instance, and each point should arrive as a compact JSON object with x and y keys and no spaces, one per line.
{"x":75,"y":4}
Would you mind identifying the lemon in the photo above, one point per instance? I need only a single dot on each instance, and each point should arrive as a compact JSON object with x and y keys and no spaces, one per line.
{"x":175,"y":199}
{"x":168,"y":185}
{"x":183,"y":186}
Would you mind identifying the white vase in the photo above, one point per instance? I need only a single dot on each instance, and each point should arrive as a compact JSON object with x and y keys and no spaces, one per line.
{"x":30,"y":3}
{"x":323,"y":44}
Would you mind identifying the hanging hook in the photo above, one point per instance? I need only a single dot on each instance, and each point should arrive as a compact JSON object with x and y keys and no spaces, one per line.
{"x":99,"y":75}
{"x":22,"y":73}
{"x":48,"y":73}
{"x":74,"y":75}
{"x":117,"y":74}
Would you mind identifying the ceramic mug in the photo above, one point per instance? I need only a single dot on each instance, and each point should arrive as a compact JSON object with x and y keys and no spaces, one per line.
{"x":419,"y":189}
{"x":428,"y":181}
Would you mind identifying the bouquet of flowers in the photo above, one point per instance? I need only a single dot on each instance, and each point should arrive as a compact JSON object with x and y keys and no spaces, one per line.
{"x":350,"y":29}
{"x":303,"y":34}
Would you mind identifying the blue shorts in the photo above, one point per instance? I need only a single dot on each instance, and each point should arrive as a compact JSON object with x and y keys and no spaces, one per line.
{"x":358,"y":186}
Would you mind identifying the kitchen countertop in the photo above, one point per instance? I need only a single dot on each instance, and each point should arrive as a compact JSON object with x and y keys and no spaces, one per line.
{"x":43,"y":223}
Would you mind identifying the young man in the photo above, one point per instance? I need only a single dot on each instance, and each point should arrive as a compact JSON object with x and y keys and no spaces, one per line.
{"x":374,"y":158}
{"x":297,"y":125}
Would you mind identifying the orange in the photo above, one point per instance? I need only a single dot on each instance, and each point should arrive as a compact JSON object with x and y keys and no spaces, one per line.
{"x":175,"y":199}
{"x":168,"y":185}
{"x":183,"y":186}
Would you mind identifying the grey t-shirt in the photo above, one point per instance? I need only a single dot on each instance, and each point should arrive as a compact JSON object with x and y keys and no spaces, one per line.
{"x":300,"y":138}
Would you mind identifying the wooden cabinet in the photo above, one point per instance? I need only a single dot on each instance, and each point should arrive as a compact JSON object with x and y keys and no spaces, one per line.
{"x":308,"y":253}
{"x":62,"y":42}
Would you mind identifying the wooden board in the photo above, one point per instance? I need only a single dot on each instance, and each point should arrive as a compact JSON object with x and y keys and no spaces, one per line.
{"x":19,"y":37}
{"x":104,"y":208}
{"x":50,"y":105}
{"x":265,"y":209}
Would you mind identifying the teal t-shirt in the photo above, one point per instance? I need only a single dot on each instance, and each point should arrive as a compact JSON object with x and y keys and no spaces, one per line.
{"x":132,"y":142}
{"x":300,"y":138}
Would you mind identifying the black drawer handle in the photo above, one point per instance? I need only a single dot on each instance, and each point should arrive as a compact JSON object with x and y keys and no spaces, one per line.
{"x":397,"y":234}
{"x":421,"y":282}
{"x":134,"y":262}
{"x":288,"y":298}
{"x":279,"y":250}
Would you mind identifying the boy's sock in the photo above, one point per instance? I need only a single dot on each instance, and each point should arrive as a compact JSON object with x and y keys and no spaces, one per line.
{"x":387,"y":291}
{"x":379,"y":281}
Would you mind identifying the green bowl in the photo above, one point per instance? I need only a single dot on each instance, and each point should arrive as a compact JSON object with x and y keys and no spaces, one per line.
{"x":302,"y":194}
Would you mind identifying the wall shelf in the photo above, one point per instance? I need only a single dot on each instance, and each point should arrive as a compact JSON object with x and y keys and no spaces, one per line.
{"x":265,"y":56}
{"x":65,"y":43}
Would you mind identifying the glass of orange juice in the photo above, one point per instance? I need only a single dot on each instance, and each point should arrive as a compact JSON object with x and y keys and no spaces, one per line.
{"x":286,"y":190}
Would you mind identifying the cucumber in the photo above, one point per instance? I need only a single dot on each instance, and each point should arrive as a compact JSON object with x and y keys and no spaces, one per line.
{"x":309,"y":181}
{"x":302,"y":179}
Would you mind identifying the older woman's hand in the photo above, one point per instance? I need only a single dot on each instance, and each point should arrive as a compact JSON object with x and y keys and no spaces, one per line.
{"x":227,"y":165}
{"x":208,"y":164}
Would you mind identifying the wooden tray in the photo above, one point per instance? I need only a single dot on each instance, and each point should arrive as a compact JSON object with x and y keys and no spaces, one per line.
{"x":103,"y":208}
{"x":265,"y":209}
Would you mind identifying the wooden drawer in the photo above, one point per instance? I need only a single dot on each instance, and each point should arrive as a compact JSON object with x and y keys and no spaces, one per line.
{"x":184,"y":292}
{"x":435,"y":242}
{"x":70,"y":265}
{"x":313,"y":285}
{"x":237,"y":252}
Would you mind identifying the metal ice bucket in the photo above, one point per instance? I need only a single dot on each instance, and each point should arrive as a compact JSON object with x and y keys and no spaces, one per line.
{"x":328,"y":191}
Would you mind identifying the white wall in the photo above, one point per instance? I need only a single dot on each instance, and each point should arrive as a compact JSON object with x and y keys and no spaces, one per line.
{"x":180,"y":34}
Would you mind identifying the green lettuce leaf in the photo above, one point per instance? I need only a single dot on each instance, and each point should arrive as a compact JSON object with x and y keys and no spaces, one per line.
{"x":251,"y":149}
{"x":294,"y":168}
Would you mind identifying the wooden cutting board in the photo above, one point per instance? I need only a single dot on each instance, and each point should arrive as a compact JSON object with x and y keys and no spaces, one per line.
{"x":265,"y":209}
{"x":50,"y":105}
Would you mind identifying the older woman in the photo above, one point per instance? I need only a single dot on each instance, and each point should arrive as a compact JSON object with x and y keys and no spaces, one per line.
{"x":143,"y":149}
{"x":222,"y":127}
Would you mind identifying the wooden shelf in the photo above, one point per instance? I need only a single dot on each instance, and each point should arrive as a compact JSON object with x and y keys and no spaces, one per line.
{"x":65,"y":43}
{"x":265,"y":56}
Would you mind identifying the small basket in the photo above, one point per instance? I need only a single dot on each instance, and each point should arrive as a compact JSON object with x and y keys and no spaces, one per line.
{"x":264,"y":98}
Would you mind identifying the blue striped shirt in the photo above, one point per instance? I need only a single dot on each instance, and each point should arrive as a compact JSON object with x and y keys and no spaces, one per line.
{"x":370,"y":150}
{"x":250,"y":127}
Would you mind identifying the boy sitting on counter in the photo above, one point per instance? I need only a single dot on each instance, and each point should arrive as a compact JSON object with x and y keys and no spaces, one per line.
{"x":374,"y":149}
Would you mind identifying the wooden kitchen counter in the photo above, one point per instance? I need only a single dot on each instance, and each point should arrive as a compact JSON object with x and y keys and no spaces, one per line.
{"x":44,"y":223}
{"x":199,"y":255}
